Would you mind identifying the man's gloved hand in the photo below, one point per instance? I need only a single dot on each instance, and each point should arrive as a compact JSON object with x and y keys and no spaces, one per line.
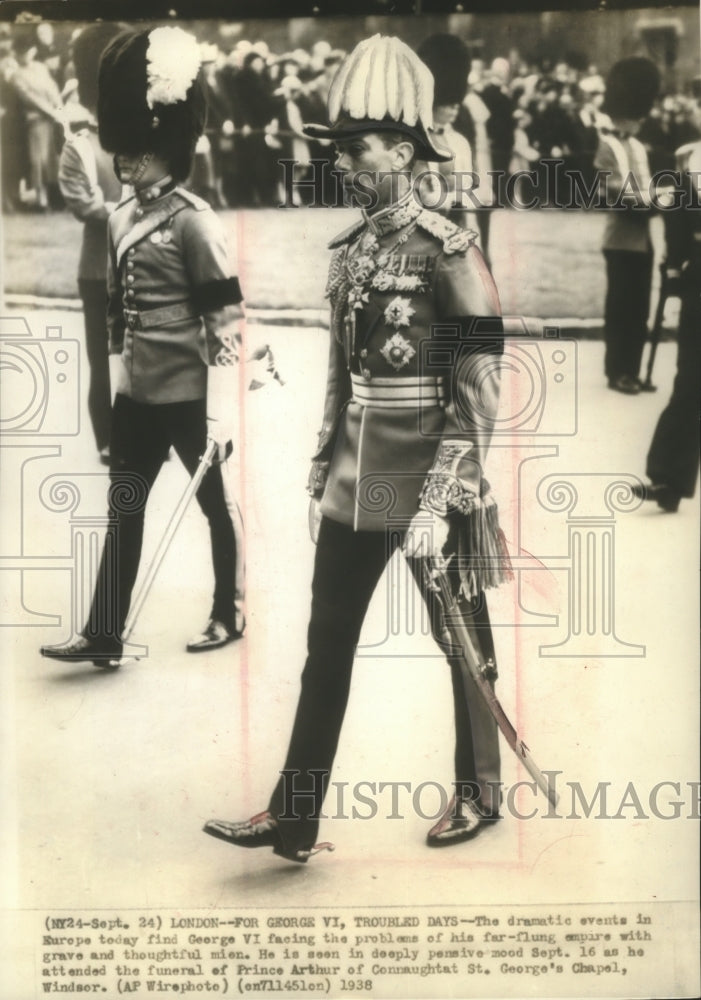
{"x":222,"y":438}
{"x":427,"y":535}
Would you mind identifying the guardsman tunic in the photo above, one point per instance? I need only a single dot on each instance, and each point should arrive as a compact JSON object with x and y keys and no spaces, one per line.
{"x":173,"y":305}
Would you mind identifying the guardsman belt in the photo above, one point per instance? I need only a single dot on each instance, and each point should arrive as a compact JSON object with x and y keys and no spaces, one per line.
{"x":150,"y":319}
{"x":398,"y":393}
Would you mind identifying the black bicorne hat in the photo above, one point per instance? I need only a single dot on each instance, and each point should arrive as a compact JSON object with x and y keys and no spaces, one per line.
{"x":151,"y":98}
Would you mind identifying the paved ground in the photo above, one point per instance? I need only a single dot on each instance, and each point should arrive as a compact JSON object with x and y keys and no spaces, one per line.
{"x":111,"y":775}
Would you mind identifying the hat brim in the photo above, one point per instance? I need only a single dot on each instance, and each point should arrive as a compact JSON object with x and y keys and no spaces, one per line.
{"x":427,"y":148}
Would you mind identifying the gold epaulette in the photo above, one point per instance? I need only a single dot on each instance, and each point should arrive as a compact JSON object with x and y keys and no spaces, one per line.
{"x":348,"y":235}
{"x":454,"y":238}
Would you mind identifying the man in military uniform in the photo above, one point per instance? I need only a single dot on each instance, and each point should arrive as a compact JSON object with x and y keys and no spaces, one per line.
{"x":631,"y":87}
{"x":401,"y":452}
{"x":173,"y":315}
{"x":673,"y":457}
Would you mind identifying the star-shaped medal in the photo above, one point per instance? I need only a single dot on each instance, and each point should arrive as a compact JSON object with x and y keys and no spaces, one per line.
{"x":397,"y":351}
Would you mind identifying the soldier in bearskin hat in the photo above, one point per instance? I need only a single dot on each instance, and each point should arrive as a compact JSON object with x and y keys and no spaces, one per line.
{"x":631,"y":88}
{"x":173,"y":314}
{"x":401,"y":453}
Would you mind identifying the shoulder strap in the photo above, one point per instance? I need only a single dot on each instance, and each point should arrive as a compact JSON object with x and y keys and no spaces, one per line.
{"x":454,"y":238}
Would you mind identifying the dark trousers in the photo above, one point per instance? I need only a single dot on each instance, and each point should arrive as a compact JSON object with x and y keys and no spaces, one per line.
{"x":347,"y":568}
{"x":142,"y":434}
{"x":94,"y":296}
{"x":629,"y":280}
{"x":673,"y":457}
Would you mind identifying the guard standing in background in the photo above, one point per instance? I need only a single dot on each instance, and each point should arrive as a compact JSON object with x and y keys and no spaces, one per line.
{"x":631,"y":88}
{"x":91,"y":191}
{"x":174,"y":313}
{"x":673,"y":458}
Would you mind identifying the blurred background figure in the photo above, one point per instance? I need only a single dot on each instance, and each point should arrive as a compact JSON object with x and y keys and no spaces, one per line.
{"x":673,"y":458}
{"x":216,"y":143}
{"x":42,"y":118}
{"x":91,"y":191}
{"x":294,"y":144}
{"x":254,"y":109}
{"x":590,"y":120}
{"x":500,"y":124}
{"x":447,"y":184}
{"x":631,"y":88}
{"x":13,"y":136}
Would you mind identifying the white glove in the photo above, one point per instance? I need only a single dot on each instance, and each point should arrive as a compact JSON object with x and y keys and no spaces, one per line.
{"x":427,"y":535}
{"x":222,"y":407}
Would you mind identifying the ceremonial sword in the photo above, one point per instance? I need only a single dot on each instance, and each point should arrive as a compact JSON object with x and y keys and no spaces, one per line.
{"x":175,"y":519}
{"x":437,"y":581}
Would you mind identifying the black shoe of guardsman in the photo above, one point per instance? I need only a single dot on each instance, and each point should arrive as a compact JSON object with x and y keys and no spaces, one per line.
{"x":664,"y":496}
{"x":103,"y":652}
{"x":213,"y":635}
{"x":627,"y":384}
{"x":462,"y":820}
{"x":261,"y":831}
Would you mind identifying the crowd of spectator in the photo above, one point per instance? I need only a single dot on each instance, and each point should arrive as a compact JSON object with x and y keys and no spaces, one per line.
{"x":515,"y":116}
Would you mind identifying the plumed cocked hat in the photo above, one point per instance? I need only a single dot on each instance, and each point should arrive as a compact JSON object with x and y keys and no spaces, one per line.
{"x":151,"y":98}
{"x":449,"y":60}
{"x":382,"y":86}
{"x":632,"y":85}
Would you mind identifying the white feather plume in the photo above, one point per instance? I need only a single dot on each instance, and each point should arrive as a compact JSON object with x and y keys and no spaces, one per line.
{"x":172,"y":63}
{"x":382,"y":77}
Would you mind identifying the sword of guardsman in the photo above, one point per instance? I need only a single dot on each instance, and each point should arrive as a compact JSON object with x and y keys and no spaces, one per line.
{"x":168,"y":535}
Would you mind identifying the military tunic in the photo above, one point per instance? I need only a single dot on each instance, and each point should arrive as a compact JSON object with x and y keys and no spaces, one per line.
{"x":173,"y":303}
{"x":407,"y":420}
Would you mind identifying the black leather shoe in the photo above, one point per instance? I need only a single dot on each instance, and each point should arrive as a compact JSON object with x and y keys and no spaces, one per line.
{"x":626,"y":384}
{"x":666,"y":498}
{"x":461,"y":821}
{"x":260,"y":831}
{"x":214,"y":635}
{"x":100,"y":651}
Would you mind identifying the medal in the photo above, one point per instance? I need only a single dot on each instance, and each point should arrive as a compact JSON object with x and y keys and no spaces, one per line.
{"x":156,"y":237}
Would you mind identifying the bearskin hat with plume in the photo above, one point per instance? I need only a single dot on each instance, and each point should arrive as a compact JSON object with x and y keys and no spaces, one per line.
{"x":151,"y":98}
